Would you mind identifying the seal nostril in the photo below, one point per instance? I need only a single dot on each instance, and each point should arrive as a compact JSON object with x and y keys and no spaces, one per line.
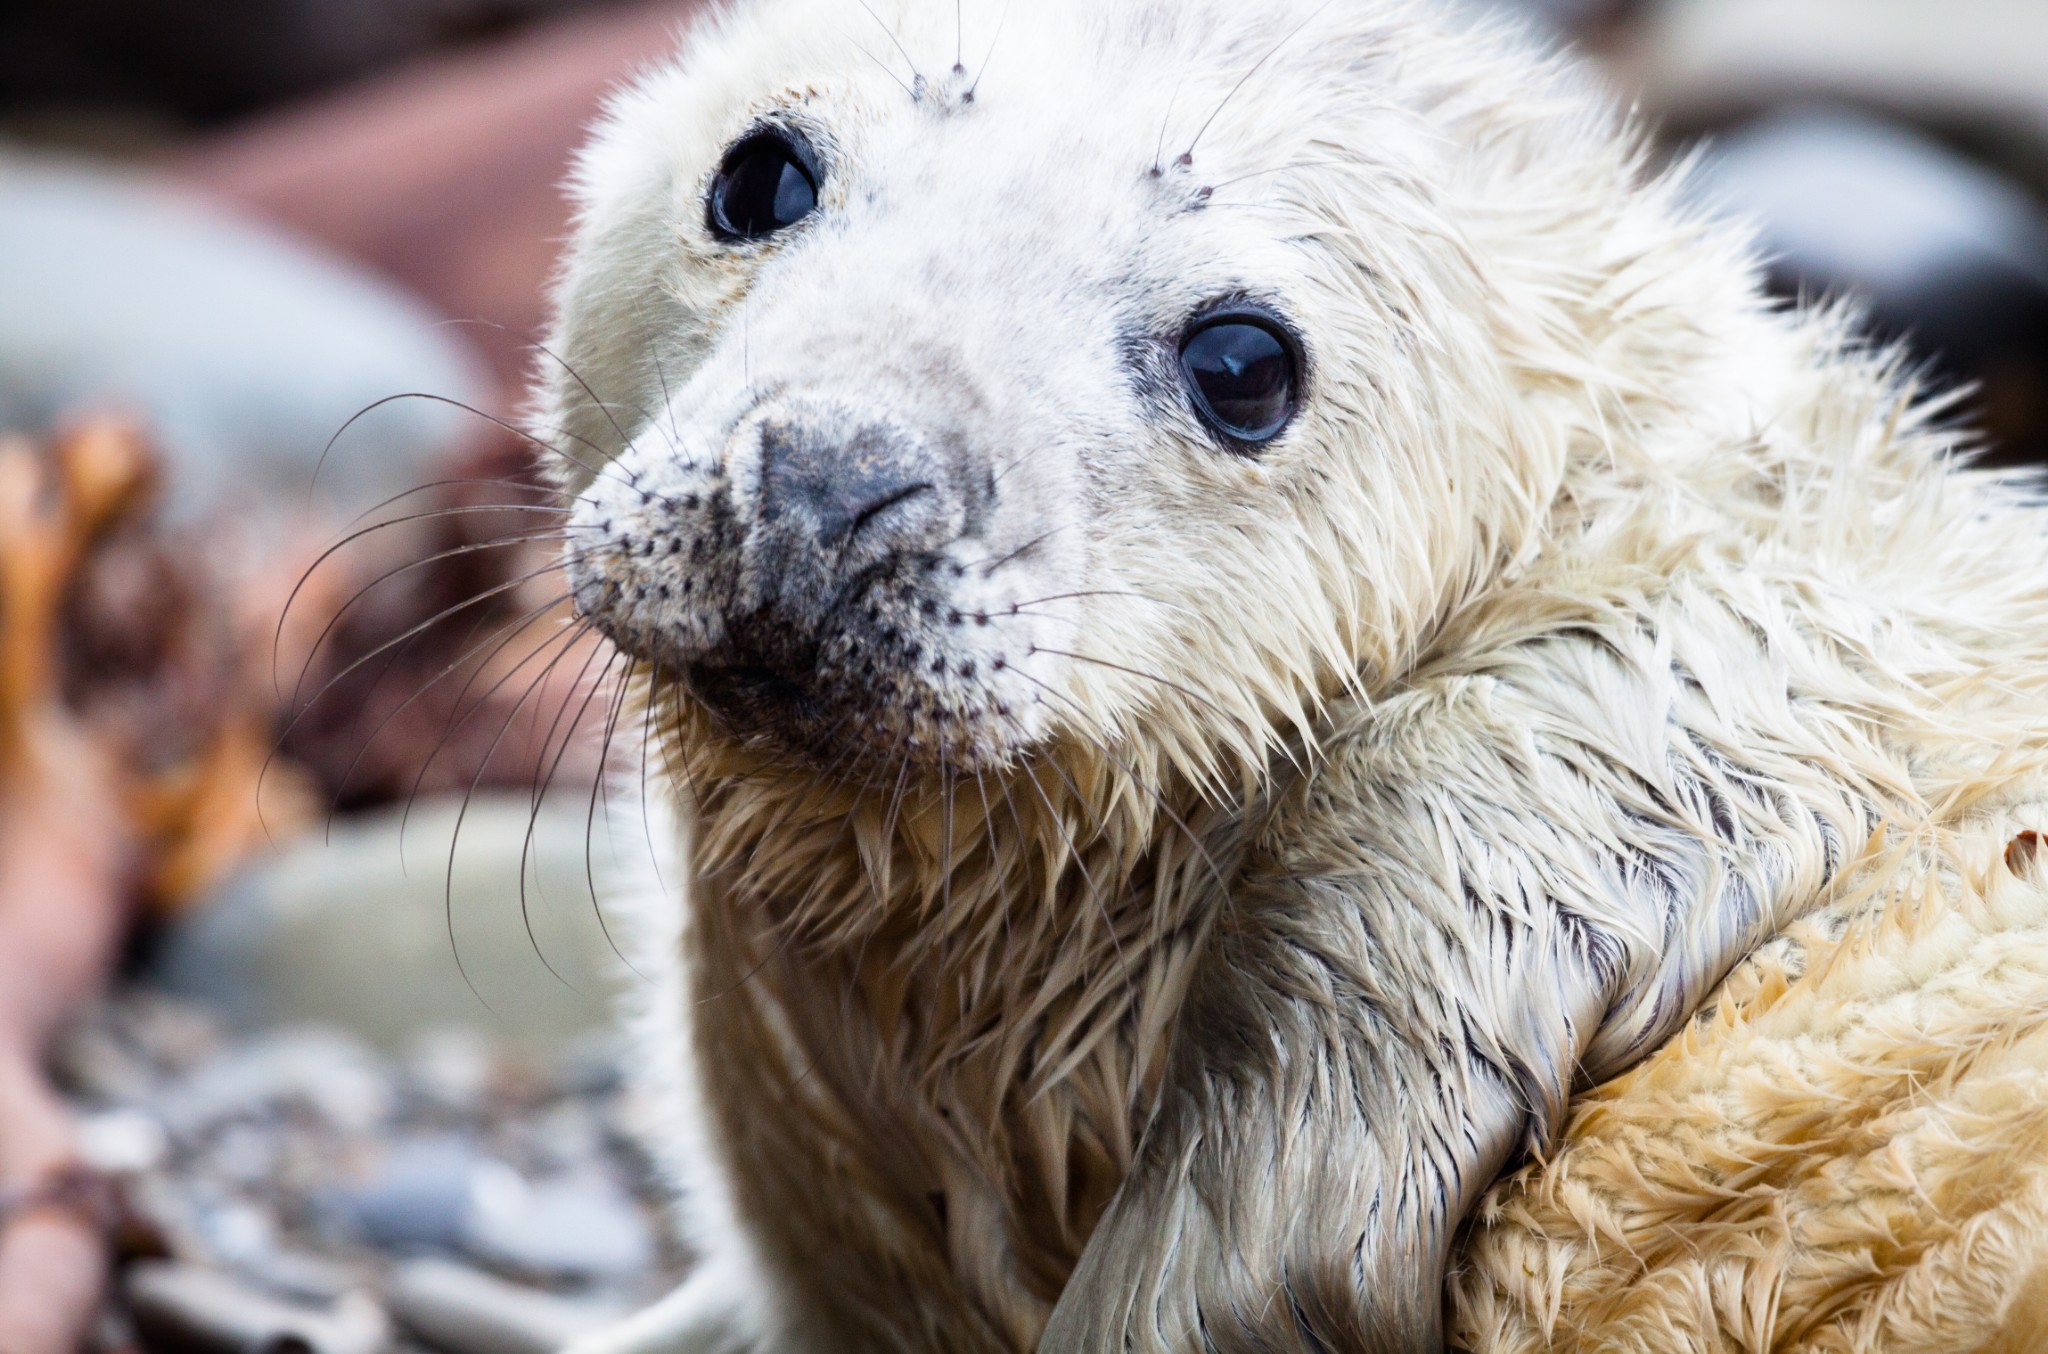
{"x":868,"y":514}
{"x":834,"y":488}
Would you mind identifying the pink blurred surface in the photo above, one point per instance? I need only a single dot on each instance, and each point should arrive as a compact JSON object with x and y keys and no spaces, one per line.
{"x":446,"y":175}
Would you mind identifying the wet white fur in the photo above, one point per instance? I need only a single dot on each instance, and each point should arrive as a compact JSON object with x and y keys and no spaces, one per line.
{"x":1593,"y":611}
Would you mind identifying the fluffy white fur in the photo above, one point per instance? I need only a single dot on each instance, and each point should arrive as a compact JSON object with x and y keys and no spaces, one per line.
{"x":1179,"y":966}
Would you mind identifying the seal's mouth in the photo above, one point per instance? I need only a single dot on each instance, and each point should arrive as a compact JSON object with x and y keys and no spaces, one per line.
{"x":759,"y":701}
{"x":851,"y":699}
{"x":750,"y":698}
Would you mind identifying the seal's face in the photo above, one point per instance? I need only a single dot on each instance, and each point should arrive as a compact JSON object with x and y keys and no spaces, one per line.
{"x":933,"y":415}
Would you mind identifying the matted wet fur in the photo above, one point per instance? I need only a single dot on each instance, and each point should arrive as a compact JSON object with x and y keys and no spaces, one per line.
{"x":1146,"y":870}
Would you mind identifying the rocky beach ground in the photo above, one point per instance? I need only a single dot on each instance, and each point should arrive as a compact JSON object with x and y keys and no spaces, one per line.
{"x":348,"y":1148}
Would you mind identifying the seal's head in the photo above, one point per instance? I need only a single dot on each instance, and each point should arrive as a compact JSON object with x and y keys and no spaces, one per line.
{"x":939,"y":383}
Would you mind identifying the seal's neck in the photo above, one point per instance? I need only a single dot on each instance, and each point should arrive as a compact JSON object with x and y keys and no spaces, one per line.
{"x":1030,"y":897}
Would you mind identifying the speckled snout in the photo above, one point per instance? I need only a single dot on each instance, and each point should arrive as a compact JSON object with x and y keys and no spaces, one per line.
{"x":822,"y":578}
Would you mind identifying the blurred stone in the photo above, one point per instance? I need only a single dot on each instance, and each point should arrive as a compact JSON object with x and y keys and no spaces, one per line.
{"x":452,"y":1069}
{"x":576,"y":1226}
{"x":387,"y":937}
{"x":566,"y":1135}
{"x":244,"y":352}
{"x":236,"y":1232}
{"x":1705,"y":60}
{"x":247,"y":1153}
{"x":122,"y":1141}
{"x":588,"y":1067}
{"x":466,"y":1147}
{"x":1943,"y":254}
{"x":324,"y":1071}
{"x":464,"y":1311}
{"x":445,"y":1194}
{"x":297,"y":1276}
{"x":182,"y":1309}
{"x":421,"y":1197}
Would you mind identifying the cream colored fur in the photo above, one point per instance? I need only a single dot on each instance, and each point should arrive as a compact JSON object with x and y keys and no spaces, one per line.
{"x":1848,"y":1152}
{"x":1185,"y":979}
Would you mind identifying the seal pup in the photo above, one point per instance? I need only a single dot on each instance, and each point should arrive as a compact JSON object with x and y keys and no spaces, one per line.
{"x":1236,"y":600}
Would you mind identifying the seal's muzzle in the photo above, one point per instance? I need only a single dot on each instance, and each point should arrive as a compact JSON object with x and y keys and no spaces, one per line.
{"x":835,"y":506}
{"x":818,"y":582}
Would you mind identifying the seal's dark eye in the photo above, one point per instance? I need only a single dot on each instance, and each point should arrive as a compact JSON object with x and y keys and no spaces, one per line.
{"x":1244,"y":375}
{"x":764,"y":185}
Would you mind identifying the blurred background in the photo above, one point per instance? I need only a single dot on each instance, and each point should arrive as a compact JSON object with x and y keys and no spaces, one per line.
{"x":351,"y":1089}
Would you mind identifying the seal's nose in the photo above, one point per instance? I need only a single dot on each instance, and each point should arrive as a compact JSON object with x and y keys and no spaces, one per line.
{"x":835,"y":494}
{"x":861,"y":494}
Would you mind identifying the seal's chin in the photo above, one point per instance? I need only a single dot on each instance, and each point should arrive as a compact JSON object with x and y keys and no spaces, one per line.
{"x":759,"y":703}
{"x":849,"y":731}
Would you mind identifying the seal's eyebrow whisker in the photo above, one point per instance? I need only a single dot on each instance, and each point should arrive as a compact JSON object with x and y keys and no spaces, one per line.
{"x":898,"y":42}
{"x":862,"y":48}
{"x":1002,"y":22}
{"x":1277,"y":169}
{"x":668,"y":405}
{"x":1187,"y":157}
{"x":1159,"y":150}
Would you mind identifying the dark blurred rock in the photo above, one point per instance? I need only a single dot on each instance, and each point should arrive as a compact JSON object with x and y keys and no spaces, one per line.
{"x":226,"y":57}
{"x":1943,"y":254}
{"x":1585,"y":20}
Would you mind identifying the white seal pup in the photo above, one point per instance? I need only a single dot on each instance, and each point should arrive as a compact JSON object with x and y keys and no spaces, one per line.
{"x":1236,"y":600}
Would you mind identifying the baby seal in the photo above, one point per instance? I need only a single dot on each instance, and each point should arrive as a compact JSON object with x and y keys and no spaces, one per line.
{"x":1236,"y":602}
